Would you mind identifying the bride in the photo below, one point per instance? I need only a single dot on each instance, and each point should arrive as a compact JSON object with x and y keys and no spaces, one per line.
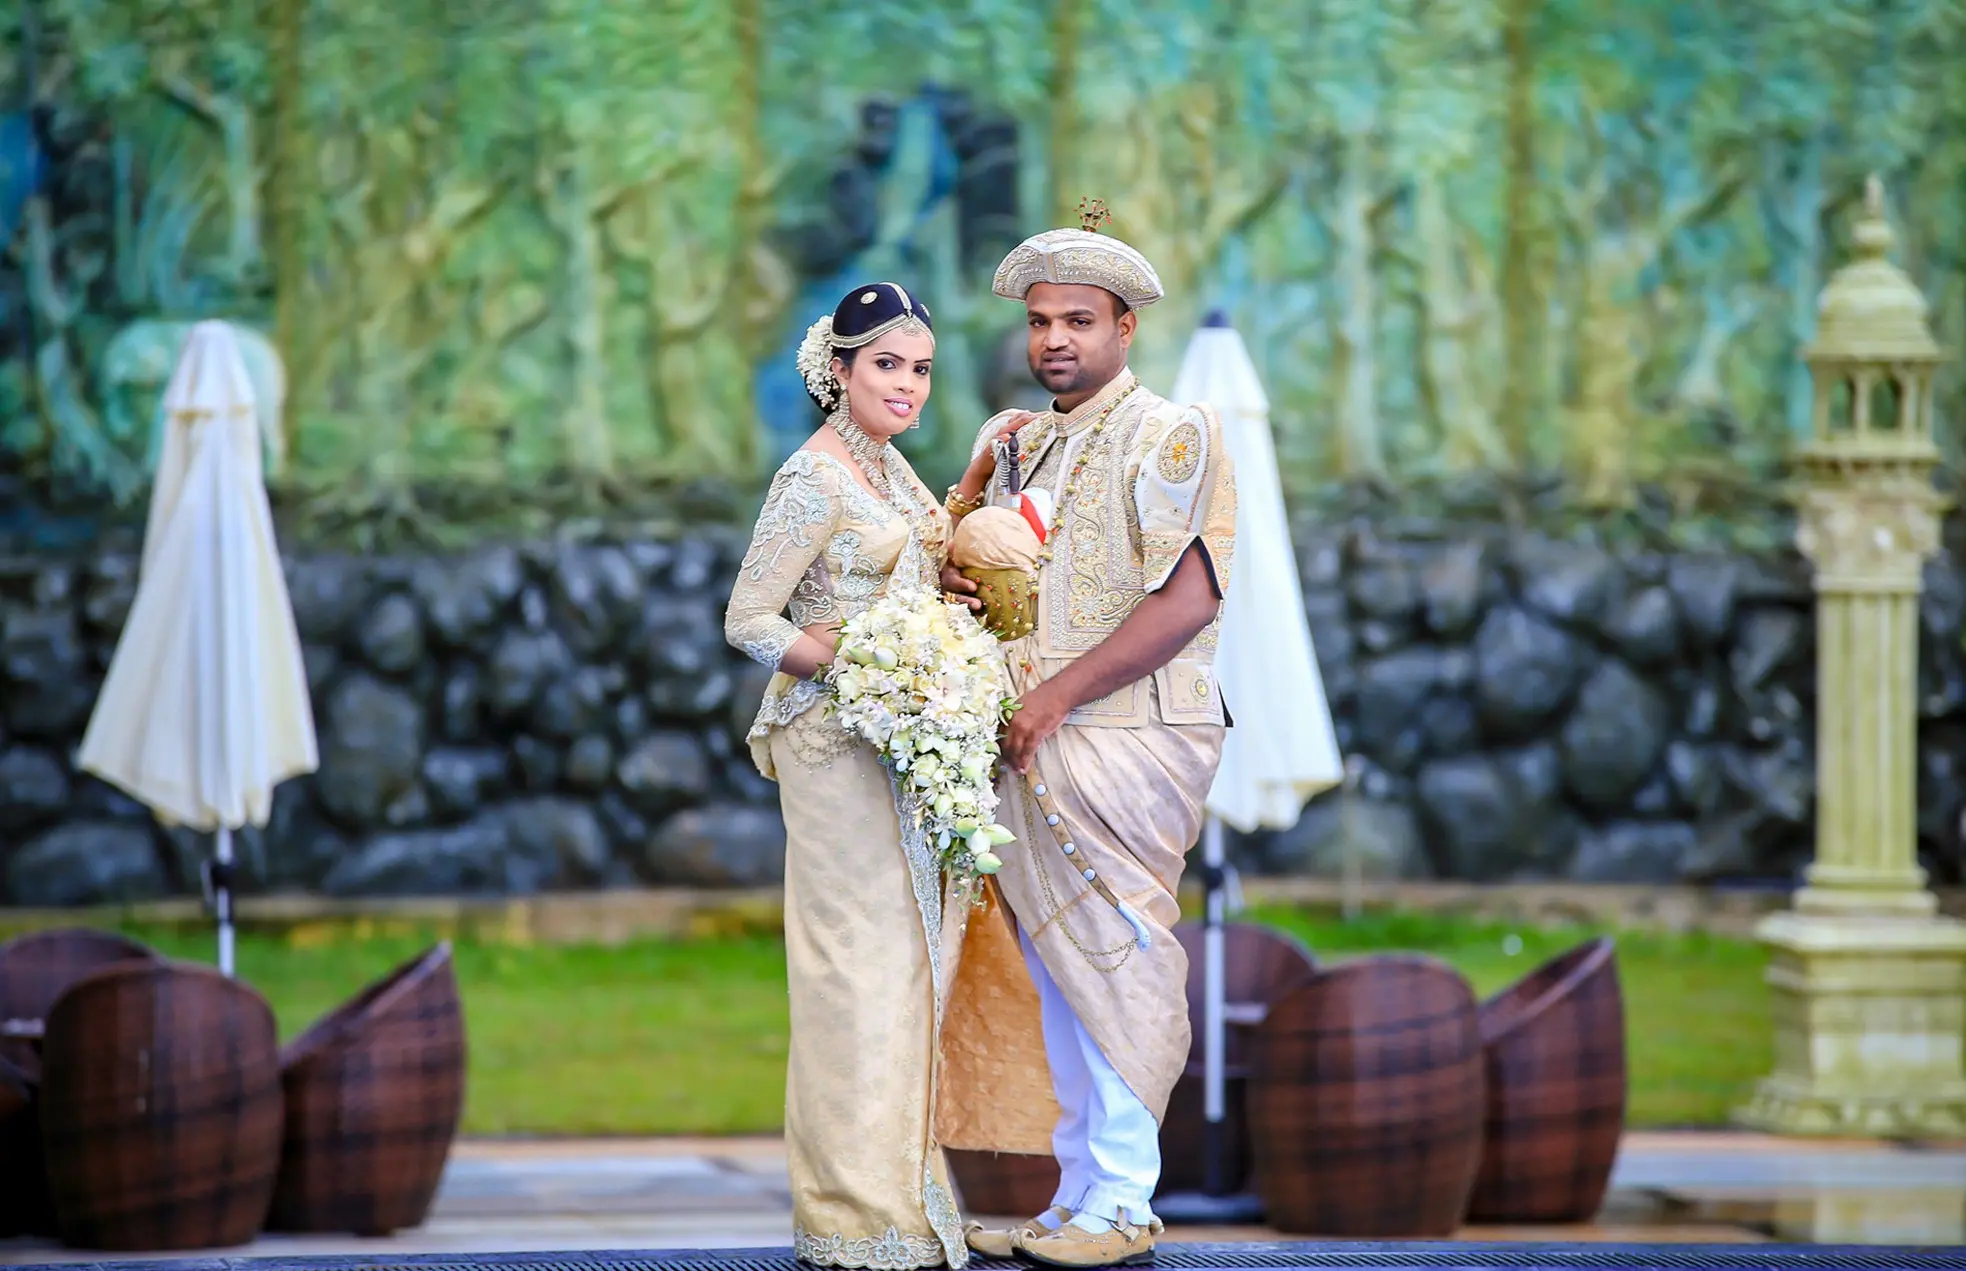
{"x":845,"y":519}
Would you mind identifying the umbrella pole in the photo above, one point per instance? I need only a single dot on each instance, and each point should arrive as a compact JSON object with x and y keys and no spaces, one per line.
{"x":1214,"y":1108}
{"x":1214,"y":1204}
{"x":219,"y":879}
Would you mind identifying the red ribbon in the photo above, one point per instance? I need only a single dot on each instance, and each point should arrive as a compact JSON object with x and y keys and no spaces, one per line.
{"x":1029,"y":512}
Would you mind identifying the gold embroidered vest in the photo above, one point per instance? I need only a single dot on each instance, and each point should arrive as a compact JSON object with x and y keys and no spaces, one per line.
{"x":1156,"y":479}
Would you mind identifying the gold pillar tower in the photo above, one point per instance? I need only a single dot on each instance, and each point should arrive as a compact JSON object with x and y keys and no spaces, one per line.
{"x":1868,"y":979}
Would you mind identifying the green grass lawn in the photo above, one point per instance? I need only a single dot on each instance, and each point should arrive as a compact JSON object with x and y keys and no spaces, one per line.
{"x":689,"y":1038}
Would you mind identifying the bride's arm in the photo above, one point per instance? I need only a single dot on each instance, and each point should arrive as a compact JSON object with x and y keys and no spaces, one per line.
{"x":968,"y":494}
{"x":793,"y":526}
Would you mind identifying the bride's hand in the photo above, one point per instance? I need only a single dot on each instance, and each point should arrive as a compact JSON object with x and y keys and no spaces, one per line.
{"x":827,"y":637}
{"x":985,"y":462}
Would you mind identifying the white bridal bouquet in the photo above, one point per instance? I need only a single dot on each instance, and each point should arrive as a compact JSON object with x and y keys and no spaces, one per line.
{"x":922,"y":682}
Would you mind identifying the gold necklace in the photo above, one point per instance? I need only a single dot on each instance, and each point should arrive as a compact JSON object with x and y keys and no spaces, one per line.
{"x":1070,"y":488}
{"x":871,"y":453}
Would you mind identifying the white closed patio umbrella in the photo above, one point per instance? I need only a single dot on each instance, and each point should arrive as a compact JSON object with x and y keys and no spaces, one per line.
{"x":1282,"y":749}
{"x":205,"y":708}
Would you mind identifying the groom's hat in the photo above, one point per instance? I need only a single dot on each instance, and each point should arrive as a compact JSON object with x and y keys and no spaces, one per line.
{"x":1081,"y":256}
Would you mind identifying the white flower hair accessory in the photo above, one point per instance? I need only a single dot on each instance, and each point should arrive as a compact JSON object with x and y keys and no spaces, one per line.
{"x":815,"y":362}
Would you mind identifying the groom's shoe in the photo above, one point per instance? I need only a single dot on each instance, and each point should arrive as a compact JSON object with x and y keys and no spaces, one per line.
{"x":1001,"y":1243}
{"x":1076,"y":1249}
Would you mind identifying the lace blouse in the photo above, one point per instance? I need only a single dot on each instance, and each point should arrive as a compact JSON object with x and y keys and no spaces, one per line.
{"x":823,"y":550}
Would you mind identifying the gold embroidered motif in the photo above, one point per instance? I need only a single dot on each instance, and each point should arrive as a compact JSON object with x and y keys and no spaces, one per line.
{"x":890,"y":1251}
{"x":1180,"y":455}
{"x":947,"y":1220}
{"x":779,"y":709}
{"x":816,"y":738}
{"x":1097,"y":545}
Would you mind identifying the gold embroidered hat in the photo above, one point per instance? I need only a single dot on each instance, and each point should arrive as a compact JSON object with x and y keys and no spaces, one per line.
{"x":1079,"y":256}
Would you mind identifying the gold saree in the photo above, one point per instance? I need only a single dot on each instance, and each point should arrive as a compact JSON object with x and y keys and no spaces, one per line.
{"x":866,"y":940}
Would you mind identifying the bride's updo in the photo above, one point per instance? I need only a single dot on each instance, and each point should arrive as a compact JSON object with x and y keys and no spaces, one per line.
{"x":867,"y":314}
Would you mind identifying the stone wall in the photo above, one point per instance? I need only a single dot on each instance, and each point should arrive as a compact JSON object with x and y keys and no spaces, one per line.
{"x":1521,"y":708}
{"x":560,"y":716}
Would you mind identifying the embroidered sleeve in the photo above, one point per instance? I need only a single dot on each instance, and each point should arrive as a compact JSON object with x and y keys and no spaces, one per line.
{"x":1185,"y":492}
{"x":793,"y":526}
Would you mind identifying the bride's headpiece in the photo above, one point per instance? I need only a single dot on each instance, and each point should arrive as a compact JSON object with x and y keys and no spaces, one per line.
{"x":867,"y":314}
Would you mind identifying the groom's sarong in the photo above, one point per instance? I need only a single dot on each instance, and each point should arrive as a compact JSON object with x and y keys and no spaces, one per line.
{"x":1132,"y":800}
{"x":1127,"y":775}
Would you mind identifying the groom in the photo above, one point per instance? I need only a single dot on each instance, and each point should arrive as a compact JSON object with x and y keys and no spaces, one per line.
{"x":1110,"y":754}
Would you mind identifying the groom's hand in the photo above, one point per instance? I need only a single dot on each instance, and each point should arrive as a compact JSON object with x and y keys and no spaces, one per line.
{"x":960,"y":588}
{"x":1038,"y":715}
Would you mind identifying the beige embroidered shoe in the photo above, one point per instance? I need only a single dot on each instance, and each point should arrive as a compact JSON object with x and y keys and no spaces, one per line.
{"x":1001,"y":1242}
{"x":1076,"y":1249}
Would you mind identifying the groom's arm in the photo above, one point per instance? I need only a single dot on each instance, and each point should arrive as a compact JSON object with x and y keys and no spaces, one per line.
{"x":1159,"y":627}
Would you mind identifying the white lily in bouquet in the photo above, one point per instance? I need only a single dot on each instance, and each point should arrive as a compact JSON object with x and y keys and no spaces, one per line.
{"x":922,"y":682}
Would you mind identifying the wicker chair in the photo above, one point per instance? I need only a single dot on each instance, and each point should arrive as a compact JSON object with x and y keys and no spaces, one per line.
{"x":374,"y":1091}
{"x":24,"y":1206}
{"x":35,"y":968}
{"x":1365,"y":1101}
{"x":1260,"y":968}
{"x":1555,"y":1046}
{"x":160,"y":1108}
{"x":1003,"y":1184}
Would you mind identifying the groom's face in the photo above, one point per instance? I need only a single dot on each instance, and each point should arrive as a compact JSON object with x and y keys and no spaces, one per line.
{"x":1078,"y":338}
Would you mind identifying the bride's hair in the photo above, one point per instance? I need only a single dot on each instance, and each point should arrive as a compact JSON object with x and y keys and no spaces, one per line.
{"x":864,"y":316}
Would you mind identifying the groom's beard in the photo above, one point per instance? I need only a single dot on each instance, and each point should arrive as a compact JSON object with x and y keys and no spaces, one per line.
{"x":1063,"y":378}
{"x":1075,"y":376}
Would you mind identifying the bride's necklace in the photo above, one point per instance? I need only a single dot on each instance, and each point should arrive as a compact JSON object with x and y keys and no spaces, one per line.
{"x":871,"y":453}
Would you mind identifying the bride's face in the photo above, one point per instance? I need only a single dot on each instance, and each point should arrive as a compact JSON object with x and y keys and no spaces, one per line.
{"x":887,"y":382}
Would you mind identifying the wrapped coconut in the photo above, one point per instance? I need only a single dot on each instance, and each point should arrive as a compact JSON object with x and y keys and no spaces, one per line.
{"x":997,"y":549}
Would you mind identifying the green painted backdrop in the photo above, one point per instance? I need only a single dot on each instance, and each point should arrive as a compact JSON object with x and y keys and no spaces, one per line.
{"x":533,"y":253}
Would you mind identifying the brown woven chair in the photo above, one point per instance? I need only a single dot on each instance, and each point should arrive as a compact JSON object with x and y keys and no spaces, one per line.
{"x":1260,"y":968}
{"x":160,"y":1108}
{"x":1003,"y":1184}
{"x":24,"y":1206}
{"x":374,"y":1091}
{"x":1365,"y":1101}
{"x":1555,"y":1046}
{"x":36,"y":967}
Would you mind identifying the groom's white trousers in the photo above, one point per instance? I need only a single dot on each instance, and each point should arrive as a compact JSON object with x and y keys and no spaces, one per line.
{"x":1107,"y":1142}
